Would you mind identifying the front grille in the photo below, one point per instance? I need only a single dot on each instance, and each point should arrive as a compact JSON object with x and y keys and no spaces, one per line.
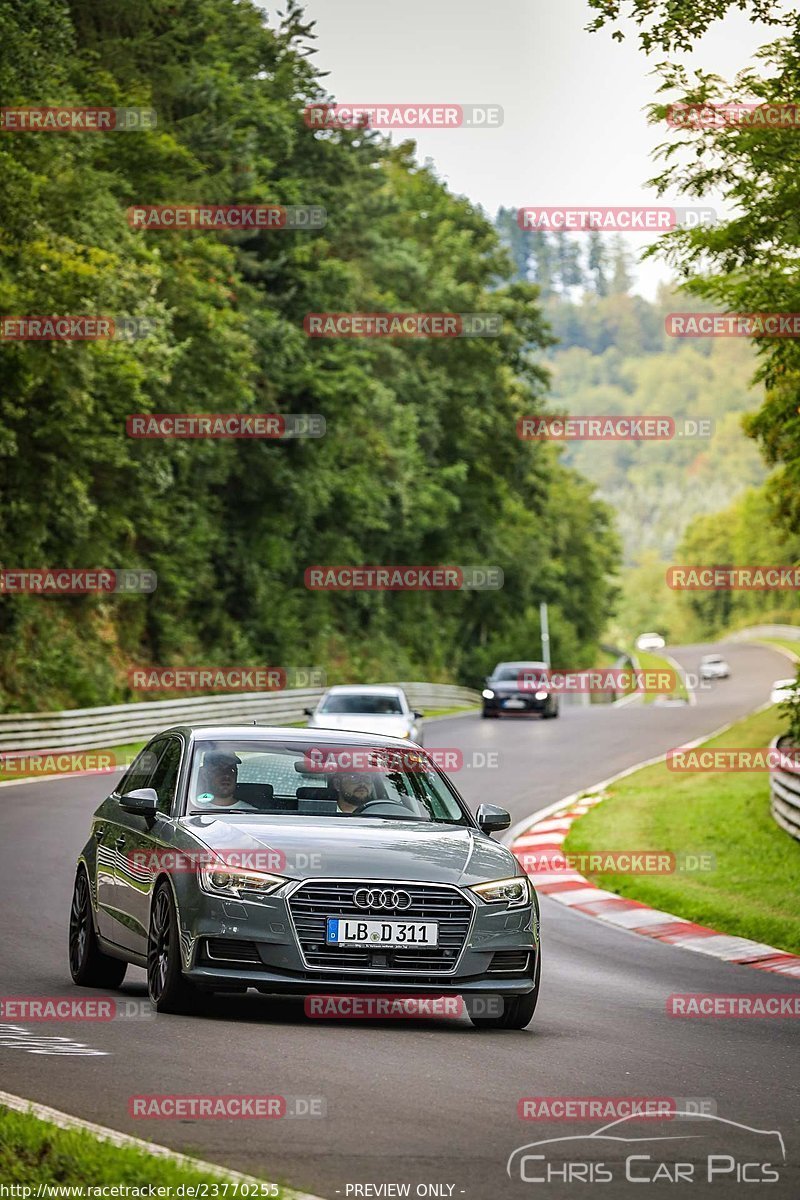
{"x":505,"y":962}
{"x":313,"y":903}
{"x":232,"y":950}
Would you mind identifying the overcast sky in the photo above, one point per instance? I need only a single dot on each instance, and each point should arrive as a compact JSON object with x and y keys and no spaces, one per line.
{"x":574,"y":130}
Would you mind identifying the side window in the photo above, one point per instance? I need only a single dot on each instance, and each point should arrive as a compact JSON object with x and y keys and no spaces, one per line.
{"x":141,"y":773}
{"x":165,"y":777}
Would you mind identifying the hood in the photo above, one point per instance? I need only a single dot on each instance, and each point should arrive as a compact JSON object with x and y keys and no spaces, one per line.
{"x":394,"y":725}
{"x":366,"y":848}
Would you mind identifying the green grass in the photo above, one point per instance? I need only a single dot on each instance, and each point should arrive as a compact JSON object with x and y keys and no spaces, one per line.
{"x":34,"y":1151}
{"x":753,"y":892}
{"x":654,"y":662}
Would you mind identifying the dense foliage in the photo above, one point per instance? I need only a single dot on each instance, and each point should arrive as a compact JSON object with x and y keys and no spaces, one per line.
{"x":421,"y":463}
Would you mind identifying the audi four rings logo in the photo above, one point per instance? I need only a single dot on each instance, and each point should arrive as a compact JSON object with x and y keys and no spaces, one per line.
{"x":380,"y":898}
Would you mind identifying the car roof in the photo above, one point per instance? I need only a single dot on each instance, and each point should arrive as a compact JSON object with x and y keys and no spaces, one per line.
{"x":529,"y":662}
{"x":711,"y":658}
{"x":277,"y":733}
{"x":359,"y":689}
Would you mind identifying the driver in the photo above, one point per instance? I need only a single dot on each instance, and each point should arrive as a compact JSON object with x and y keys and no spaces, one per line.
{"x":354,"y":790}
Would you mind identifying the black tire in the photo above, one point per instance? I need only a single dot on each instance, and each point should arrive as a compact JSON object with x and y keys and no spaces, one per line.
{"x":550,"y":716}
{"x":517,"y":1010}
{"x":88,"y":965}
{"x":167,"y":988}
{"x":492,"y":715}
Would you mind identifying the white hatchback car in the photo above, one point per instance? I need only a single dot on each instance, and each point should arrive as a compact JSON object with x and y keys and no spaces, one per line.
{"x":650,"y":641}
{"x":714,"y":666}
{"x":367,"y":708}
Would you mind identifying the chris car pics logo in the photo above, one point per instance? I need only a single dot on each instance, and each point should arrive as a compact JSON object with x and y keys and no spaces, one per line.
{"x":689,"y":1147}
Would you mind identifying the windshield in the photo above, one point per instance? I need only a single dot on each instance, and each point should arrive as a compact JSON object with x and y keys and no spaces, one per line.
{"x":307,"y":779}
{"x":507,"y":674}
{"x":370,"y":703}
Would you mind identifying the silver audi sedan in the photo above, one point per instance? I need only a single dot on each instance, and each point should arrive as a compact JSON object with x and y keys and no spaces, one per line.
{"x":302,"y":861}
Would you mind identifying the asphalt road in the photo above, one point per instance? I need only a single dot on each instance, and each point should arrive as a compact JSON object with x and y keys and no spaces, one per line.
{"x":434,"y":1102}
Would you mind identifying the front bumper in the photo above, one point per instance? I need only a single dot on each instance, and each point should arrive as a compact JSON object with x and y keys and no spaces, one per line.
{"x":527,"y":704}
{"x":242,"y":943}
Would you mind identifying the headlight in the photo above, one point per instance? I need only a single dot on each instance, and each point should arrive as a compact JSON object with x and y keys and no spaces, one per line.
{"x":541,"y":695}
{"x":488,"y":694}
{"x":515,"y":892}
{"x":232,"y":881}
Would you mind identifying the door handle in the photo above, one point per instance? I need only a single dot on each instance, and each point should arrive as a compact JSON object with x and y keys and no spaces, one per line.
{"x":99,"y":831}
{"x":119,"y":843}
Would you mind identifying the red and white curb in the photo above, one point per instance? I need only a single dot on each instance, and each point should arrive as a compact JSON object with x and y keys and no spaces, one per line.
{"x":544,"y":837}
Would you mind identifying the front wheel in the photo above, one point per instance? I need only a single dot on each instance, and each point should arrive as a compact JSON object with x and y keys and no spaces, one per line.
{"x":517,"y":1010}
{"x":88,"y":965}
{"x":167,"y":988}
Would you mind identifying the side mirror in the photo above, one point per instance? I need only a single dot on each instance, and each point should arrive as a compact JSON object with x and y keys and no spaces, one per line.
{"x":492,"y":819}
{"x":309,"y":712}
{"x":419,"y":715}
{"x":141,"y":802}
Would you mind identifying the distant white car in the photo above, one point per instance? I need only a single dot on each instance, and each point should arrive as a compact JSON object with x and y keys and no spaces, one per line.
{"x":714,"y":666}
{"x":782,"y":689}
{"x":650,"y":641}
{"x":364,"y":708}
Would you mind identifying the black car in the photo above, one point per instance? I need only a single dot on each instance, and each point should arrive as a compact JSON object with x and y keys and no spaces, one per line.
{"x":519,"y":689}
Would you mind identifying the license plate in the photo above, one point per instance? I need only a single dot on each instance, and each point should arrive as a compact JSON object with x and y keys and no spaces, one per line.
{"x":344,"y":931}
{"x":513,"y":703}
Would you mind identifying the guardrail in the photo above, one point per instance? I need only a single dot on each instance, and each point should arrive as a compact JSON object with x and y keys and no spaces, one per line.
{"x":121,"y":724}
{"x":790,"y":632}
{"x":784,"y":788}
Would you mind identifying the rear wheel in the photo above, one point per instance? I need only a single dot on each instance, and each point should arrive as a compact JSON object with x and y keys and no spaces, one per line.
{"x":168,"y":989}
{"x":88,"y":965}
{"x":517,"y":1010}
